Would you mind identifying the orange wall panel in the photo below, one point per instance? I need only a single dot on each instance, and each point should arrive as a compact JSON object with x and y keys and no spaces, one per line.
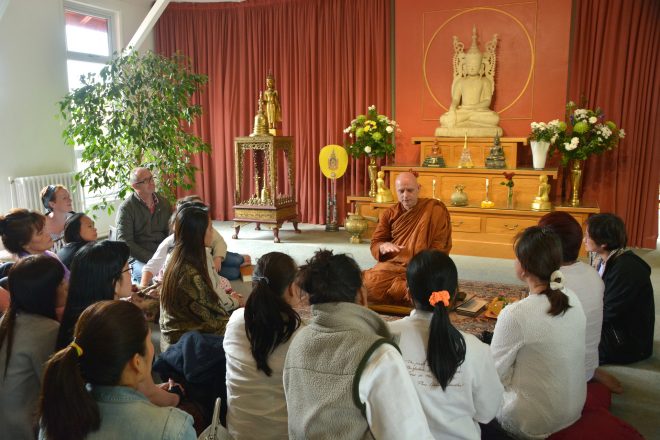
{"x":531,"y":70}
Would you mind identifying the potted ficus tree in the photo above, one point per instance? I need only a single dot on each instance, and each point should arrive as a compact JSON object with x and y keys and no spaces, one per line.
{"x":135,"y":113}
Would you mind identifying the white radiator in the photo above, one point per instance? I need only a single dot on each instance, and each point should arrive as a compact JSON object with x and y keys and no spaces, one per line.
{"x":25,"y":191}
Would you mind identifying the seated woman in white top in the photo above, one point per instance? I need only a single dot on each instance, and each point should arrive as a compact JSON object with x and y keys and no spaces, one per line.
{"x":453,"y":372}
{"x":582,"y":279}
{"x":538,"y":344}
{"x":256,"y":341}
{"x":223,"y":263}
{"x":27,"y":339}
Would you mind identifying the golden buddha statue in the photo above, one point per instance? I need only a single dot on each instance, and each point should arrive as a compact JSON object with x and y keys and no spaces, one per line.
{"x":542,"y":200}
{"x":272,"y":101}
{"x":383,"y":194}
{"x":435,"y":159}
{"x":472,"y":92}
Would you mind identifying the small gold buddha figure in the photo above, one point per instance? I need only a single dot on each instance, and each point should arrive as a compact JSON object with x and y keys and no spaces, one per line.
{"x":272,"y":102}
{"x":435,"y":159}
{"x":542,"y":200}
{"x":383,"y":194}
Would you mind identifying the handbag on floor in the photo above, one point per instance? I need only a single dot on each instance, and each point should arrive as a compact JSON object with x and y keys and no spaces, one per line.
{"x":215,"y":431}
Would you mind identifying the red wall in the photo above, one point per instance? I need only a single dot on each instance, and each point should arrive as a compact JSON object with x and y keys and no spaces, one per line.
{"x":531,"y":71}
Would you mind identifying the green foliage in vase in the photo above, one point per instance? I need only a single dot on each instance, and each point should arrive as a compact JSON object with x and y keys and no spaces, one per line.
{"x":371,"y":135}
{"x":136,"y":112}
{"x":585,"y":132}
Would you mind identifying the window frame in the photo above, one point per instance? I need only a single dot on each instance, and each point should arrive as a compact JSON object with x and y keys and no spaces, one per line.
{"x":101,"y":13}
{"x":113,"y":43}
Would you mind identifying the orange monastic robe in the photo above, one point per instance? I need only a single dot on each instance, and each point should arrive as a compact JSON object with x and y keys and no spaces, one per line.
{"x":426,"y":226}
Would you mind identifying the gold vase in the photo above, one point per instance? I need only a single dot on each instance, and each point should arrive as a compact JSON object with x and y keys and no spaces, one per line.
{"x":356,"y":225}
{"x":373,"y":174}
{"x":577,"y":167}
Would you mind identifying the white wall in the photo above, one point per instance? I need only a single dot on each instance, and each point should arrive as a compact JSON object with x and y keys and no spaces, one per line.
{"x":33,"y":79}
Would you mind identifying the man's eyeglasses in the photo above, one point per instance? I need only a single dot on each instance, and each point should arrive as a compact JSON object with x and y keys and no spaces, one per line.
{"x":147,"y":180}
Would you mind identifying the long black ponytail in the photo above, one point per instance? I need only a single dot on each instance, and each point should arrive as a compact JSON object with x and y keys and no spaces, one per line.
{"x":269,"y":319}
{"x":428,"y":272}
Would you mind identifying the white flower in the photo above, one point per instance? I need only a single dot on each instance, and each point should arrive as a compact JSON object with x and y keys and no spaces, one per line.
{"x":350,"y":135}
{"x":573,"y":145}
{"x":580,"y":114}
{"x":389,"y":129}
{"x":622,"y":134}
{"x":593,"y":120}
{"x":372,"y":107}
{"x":534,"y":125}
{"x":553,"y":139}
{"x":605,"y":131}
{"x":554,"y":123}
{"x":347,"y":130}
{"x":367,"y":149}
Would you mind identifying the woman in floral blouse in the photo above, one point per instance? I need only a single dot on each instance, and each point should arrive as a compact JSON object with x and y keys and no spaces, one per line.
{"x":188,"y":301}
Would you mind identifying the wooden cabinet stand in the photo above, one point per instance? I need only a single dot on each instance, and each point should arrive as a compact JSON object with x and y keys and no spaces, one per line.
{"x":272,"y":200}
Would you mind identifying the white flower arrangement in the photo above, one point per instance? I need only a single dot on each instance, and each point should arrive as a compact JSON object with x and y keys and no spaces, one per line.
{"x":542,"y":131}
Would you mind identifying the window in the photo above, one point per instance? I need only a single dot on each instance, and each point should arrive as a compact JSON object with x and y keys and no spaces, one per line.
{"x":89,"y":41}
{"x":90,"y":44}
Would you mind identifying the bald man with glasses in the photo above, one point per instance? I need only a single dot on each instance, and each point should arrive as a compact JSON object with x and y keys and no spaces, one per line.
{"x":142,"y":219}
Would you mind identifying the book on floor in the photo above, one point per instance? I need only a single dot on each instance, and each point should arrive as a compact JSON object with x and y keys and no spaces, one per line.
{"x":472,"y":307}
{"x":246,"y":273}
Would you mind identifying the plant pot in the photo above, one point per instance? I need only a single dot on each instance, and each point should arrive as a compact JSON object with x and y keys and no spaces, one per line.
{"x":539,"y":153}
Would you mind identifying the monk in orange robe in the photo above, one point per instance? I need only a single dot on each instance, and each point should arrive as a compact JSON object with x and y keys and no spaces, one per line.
{"x":404,"y":230}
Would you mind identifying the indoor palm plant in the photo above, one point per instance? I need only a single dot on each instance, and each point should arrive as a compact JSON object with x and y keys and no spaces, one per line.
{"x":135,"y":113}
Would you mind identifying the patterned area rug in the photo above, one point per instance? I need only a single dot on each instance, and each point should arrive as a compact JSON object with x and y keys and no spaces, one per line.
{"x":475,"y":325}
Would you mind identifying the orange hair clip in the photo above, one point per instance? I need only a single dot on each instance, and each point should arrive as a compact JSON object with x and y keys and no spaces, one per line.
{"x":440,"y":296}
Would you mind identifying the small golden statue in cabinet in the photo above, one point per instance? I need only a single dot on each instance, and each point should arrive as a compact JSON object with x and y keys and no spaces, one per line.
{"x":542,"y":200}
{"x":383,"y":195}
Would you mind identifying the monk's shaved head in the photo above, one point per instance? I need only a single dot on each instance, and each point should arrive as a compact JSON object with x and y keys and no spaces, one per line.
{"x":406,"y":176}
{"x":407,"y":189}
